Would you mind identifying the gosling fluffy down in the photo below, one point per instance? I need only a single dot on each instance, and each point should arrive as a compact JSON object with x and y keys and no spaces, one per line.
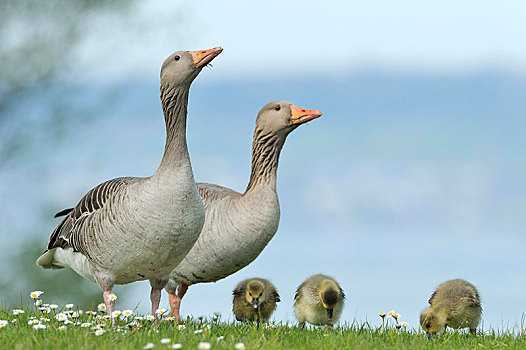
{"x":454,"y":304}
{"x":319,"y":301}
{"x":254,"y":300}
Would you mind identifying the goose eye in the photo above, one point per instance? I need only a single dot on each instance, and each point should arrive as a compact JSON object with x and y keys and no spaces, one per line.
{"x":277,"y":108}
{"x":177,"y":57}
{"x":428,"y":325}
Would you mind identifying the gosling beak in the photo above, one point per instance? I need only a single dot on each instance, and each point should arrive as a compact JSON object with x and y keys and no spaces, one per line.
{"x":203,"y":57}
{"x":429,"y":335}
{"x":302,"y":115}
{"x":329,"y":313}
{"x":255,"y":303}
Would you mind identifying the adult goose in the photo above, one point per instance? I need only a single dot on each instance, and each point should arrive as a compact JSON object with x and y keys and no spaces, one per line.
{"x":130,"y":228}
{"x":238,"y":226}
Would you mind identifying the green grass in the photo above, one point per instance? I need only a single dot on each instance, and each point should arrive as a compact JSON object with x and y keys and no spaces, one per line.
{"x":20,"y":335}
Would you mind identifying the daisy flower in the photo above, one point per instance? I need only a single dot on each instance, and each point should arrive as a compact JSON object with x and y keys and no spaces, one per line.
{"x":177,"y":346}
{"x":74,"y":314}
{"x":18,"y":312}
{"x":220,"y":338}
{"x":160,"y":312}
{"x":3,"y":323}
{"x":68,"y":322}
{"x":404,"y":324}
{"x":32,"y":322}
{"x":204,"y":346}
{"x":91,"y":313}
{"x":165,"y":341}
{"x":101,"y":307}
{"x":85,"y":324}
{"x":99,"y":332}
{"x":138,"y":318}
{"x":14,"y":320}
{"x":198,"y":331}
{"x":43,"y":319}
{"x":113,"y":297}
{"x":62,"y":328}
{"x":38,"y":302}
{"x":217,"y":314}
{"x":149,"y":346}
{"x":150,"y":317}
{"x":390,"y":313}
{"x":396,"y":316}
{"x":116,"y":313}
{"x":181,"y":327}
{"x":39,"y":326}
{"x":69,"y":306}
{"x":53,"y":306}
{"x":36,"y":294}
{"x":169,"y":318}
{"x":127,"y":313}
{"x":240,"y":346}
{"x":45,"y":310}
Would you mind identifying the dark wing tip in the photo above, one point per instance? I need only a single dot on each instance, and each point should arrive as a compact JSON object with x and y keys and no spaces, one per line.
{"x":63,"y":212}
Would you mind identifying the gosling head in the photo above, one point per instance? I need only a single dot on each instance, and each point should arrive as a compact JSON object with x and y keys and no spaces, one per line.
{"x":182,"y":67}
{"x":433,"y":322}
{"x":255,"y":293}
{"x":329,"y":296}
{"x":281,"y":117}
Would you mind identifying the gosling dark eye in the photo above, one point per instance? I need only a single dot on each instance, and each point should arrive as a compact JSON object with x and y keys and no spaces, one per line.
{"x":277,"y":108}
{"x":428,"y":325}
{"x":177,"y":57}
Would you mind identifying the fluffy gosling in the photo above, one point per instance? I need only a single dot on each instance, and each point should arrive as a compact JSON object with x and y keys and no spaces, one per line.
{"x":454,"y":304}
{"x":254,"y":300}
{"x":319,"y":301}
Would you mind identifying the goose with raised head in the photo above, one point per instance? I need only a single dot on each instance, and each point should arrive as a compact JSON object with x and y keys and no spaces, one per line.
{"x":239,"y":226}
{"x":130,"y":228}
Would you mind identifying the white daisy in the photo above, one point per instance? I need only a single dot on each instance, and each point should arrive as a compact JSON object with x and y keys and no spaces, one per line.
{"x":3,"y":323}
{"x":204,"y":346}
{"x":62,"y":328}
{"x":127,"y":313}
{"x":181,"y":327}
{"x":53,"y":306}
{"x":165,"y":341}
{"x":168,"y":318}
{"x":112,"y":297}
{"x":32,"y":322}
{"x":18,"y":312}
{"x":220,"y":338}
{"x":38,"y":302}
{"x":85,"y":324}
{"x":198,"y":331}
{"x":68,"y":322}
{"x":160,"y":312}
{"x":101,"y":307}
{"x":138,"y":318}
{"x":91,"y":313}
{"x":116,"y":313}
{"x":150,"y":317}
{"x":177,"y":346}
{"x":149,"y":346}
{"x":39,"y":326}
{"x":99,"y":332}
{"x":240,"y":346}
{"x":36,"y":294}
{"x":69,"y":306}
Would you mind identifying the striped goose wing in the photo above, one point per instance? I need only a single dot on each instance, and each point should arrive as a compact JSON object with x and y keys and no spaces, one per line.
{"x":69,"y":232}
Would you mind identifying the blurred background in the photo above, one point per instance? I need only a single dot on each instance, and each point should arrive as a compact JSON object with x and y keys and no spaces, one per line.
{"x":414,"y":175}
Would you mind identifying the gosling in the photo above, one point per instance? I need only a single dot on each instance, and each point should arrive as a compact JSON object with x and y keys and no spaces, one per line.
{"x":454,"y":304}
{"x":319,"y":301}
{"x":255,"y":299}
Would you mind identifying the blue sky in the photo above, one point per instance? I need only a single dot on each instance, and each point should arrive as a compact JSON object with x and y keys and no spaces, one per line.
{"x":302,"y":37}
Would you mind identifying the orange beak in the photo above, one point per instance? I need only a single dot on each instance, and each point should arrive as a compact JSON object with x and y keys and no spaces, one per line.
{"x":203,"y":57}
{"x":302,"y":115}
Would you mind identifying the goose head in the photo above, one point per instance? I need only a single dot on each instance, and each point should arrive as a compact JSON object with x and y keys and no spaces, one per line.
{"x":182,"y":67}
{"x":329,"y":294}
{"x":433,"y":322}
{"x":281,"y":117}
{"x":255,"y":293}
